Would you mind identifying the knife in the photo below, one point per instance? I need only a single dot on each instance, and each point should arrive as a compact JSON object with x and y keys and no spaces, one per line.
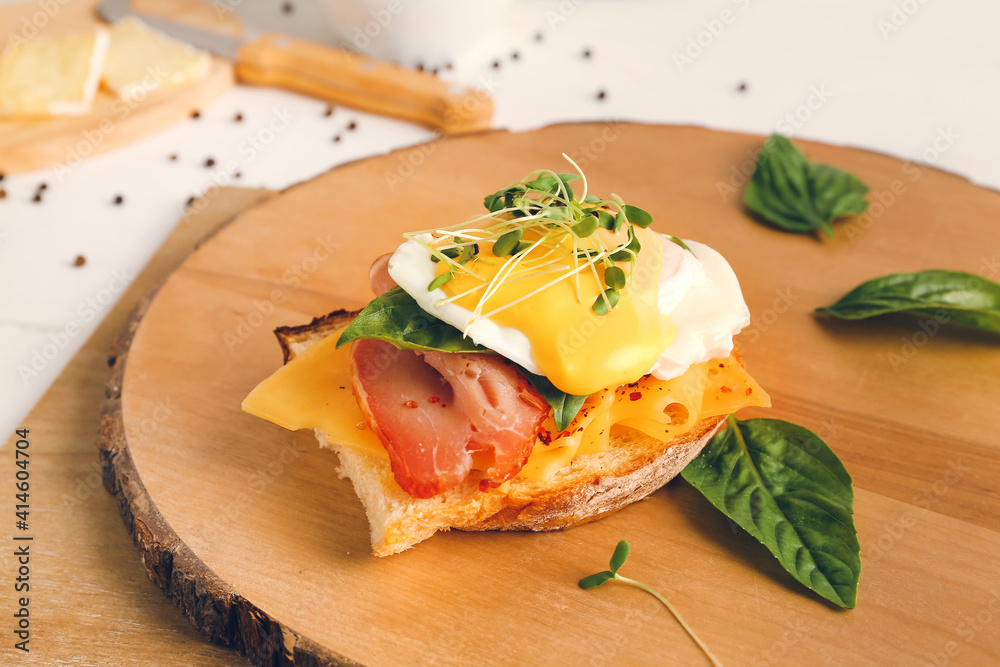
{"x":336,"y":75}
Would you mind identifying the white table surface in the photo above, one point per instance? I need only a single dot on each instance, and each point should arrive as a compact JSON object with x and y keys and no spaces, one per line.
{"x":889,"y":75}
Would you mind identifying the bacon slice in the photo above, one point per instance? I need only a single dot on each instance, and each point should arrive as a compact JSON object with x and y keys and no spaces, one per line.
{"x":378,"y":275}
{"x":441,"y":415}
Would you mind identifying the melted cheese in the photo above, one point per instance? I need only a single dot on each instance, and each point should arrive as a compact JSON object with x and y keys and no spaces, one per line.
{"x":573,"y":354}
{"x":313,"y":390}
{"x":52,"y":76}
{"x":662,"y":409}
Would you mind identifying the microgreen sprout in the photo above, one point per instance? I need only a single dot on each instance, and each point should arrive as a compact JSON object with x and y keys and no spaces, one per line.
{"x":534,"y":225}
{"x":679,"y":242}
{"x":618,"y":559}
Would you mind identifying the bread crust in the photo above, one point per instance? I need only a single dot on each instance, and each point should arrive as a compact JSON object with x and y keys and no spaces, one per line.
{"x":589,"y":488}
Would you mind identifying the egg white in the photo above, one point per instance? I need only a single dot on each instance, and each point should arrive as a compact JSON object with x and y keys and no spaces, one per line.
{"x":698,"y":291}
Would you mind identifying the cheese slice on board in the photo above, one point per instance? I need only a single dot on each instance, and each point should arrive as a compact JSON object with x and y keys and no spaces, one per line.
{"x":142,"y":60}
{"x":52,"y":76}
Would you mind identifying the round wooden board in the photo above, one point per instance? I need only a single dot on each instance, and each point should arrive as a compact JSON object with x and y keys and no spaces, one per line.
{"x":251,"y":533}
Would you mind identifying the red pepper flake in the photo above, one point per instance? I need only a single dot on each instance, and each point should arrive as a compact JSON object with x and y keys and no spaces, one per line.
{"x":635,"y":396}
{"x":484,"y":485}
{"x":722,"y":365}
{"x":749,"y":391}
{"x":410,"y":404}
{"x":726,"y":390}
{"x":433,"y":399}
{"x":544,"y":435}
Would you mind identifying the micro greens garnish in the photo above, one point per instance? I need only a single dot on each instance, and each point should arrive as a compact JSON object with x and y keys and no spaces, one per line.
{"x":618,"y":559}
{"x":540,"y":215}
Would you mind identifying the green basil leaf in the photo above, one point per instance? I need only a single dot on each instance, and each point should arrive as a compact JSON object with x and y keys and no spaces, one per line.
{"x":564,"y":406}
{"x":595,"y":580}
{"x":955,"y":296}
{"x":782,"y":484}
{"x":396,"y":318}
{"x":796,"y":195}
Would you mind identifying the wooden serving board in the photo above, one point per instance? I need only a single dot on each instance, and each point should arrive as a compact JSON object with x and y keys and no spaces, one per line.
{"x":250,"y":532}
{"x":27,"y":144}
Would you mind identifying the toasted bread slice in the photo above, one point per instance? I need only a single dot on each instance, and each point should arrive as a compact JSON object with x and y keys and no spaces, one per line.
{"x":592,"y":486}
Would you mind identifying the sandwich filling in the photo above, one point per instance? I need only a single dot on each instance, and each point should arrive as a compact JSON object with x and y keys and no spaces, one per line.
{"x":511,"y":344}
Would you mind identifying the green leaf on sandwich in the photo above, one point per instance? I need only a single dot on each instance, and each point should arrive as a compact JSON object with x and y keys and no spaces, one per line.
{"x":396,"y":318}
{"x":564,"y":406}
{"x":782,"y":484}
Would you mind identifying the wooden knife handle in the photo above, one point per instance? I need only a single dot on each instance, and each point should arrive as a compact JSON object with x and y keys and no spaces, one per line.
{"x":353,"y":80}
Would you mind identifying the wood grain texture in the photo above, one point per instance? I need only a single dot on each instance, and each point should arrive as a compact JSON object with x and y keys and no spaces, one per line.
{"x":254,"y":524}
{"x":27,"y":144}
{"x":91,"y":599}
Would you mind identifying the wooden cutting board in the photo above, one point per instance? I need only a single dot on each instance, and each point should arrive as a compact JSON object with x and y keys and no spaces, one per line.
{"x":27,"y":144}
{"x":250,"y":532}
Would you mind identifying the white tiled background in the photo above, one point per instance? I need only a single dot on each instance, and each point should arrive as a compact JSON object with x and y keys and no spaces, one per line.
{"x":889,"y":75}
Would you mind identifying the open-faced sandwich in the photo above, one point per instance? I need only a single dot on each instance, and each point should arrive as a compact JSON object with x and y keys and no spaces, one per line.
{"x":532,"y":368}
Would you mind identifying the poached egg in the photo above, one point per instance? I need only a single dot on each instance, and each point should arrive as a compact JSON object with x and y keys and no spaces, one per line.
{"x":681,"y":307}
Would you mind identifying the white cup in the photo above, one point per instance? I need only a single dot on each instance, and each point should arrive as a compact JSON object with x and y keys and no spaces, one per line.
{"x":431,"y":32}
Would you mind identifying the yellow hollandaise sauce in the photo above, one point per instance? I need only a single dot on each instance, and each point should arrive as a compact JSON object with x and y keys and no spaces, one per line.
{"x":579,"y":351}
